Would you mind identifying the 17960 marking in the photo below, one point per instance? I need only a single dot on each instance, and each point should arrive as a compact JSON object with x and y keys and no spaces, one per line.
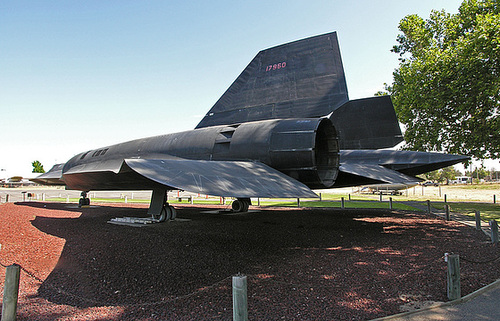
{"x":276,"y":66}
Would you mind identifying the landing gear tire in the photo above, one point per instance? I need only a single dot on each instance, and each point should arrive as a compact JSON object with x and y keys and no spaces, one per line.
{"x":84,"y":200}
{"x":174,"y":213}
{"x":240,"y":205}
{"x":164,"y":214}
{"x":168,"y":212}
{"x":159,"y":209}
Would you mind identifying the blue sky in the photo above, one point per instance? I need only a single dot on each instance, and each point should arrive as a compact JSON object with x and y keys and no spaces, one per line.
{"x":78,"y":75}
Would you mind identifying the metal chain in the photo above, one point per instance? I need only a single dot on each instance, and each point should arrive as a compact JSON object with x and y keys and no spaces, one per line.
{"x":357,"y":287}
{"x":256,"y":276}
{"x":479,"y":262}
{"x":163,"y":301}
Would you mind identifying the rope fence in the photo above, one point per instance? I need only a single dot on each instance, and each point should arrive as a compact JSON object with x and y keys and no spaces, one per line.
{"x":252,"y":278}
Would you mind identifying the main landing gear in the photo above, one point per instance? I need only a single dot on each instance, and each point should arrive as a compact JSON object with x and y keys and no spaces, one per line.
{"x":167,"y":213}
{"x":159,"y":209}
{"x":240,"y":205}
{"x":84,"y":200}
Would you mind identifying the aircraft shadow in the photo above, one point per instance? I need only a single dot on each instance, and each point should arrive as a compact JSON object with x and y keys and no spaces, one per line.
{"x":105,"y":264}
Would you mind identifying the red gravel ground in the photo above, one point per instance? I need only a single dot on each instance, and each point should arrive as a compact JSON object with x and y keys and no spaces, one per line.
{"x":302,"y":264}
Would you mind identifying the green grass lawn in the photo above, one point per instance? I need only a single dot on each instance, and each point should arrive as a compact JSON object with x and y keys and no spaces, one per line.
{"x":121,"y":200}
{"x":329,"y":202}
{"x":484,"y":187}
{"x":98,"y":200}
{"x":337,"y":204}
{"x":488,"y":211}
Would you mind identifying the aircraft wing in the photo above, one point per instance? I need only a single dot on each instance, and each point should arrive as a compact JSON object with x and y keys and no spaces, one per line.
{"x":241,"y":179}
{"x":378,"y":173}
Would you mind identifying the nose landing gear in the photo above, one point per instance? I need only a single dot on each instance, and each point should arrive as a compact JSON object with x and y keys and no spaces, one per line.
{"x":84,"y":200}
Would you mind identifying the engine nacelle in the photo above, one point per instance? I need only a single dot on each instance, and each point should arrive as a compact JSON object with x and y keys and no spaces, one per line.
{"x":305,"y":149}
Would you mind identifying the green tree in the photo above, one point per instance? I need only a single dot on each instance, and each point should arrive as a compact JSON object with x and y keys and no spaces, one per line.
{"x":448,"y":173}
{"x":478,"y":173}
{"x":37,"y":167}
{"x":431,"y":176}
{"x":446,"y":90}
{"x":381,"y":92}
{"x":442,"y":175}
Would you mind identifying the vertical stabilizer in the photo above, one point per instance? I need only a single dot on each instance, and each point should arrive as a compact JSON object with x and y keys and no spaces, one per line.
{"x":368,"y":123}
{"x":300,"y":79}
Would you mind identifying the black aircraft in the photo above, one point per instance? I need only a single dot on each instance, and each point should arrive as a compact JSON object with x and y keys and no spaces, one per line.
{"x":284,"y":127}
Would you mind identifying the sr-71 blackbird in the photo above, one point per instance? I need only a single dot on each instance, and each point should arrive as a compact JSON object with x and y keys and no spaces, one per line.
{"x":284,"y":127}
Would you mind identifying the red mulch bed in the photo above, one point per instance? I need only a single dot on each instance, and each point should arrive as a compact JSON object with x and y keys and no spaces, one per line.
{"x":302,"y":264}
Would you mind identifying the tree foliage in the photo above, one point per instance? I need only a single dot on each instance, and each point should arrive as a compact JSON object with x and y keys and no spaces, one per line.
{"x":37,"y":167}
{"x":443,"y":175}
{"x":446,"y":90}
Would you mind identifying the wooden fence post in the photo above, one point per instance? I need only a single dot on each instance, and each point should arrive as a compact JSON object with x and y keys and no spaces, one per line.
{"x":390,"y":203}
{"x":10,"y":293}
{"x":447,"y":211}
{"x":494,"y":231}
{"x":478,"y":220}
{"x":342,"y":203}
{"x":240,"y":298}
{"x":429,"y":207}
{"x":453,"y":276}
{"x":298,"y":202}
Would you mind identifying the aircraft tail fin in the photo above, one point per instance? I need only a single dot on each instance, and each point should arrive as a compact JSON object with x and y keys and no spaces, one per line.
{"x":368,"y":123}
{"x":301,"y":79}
